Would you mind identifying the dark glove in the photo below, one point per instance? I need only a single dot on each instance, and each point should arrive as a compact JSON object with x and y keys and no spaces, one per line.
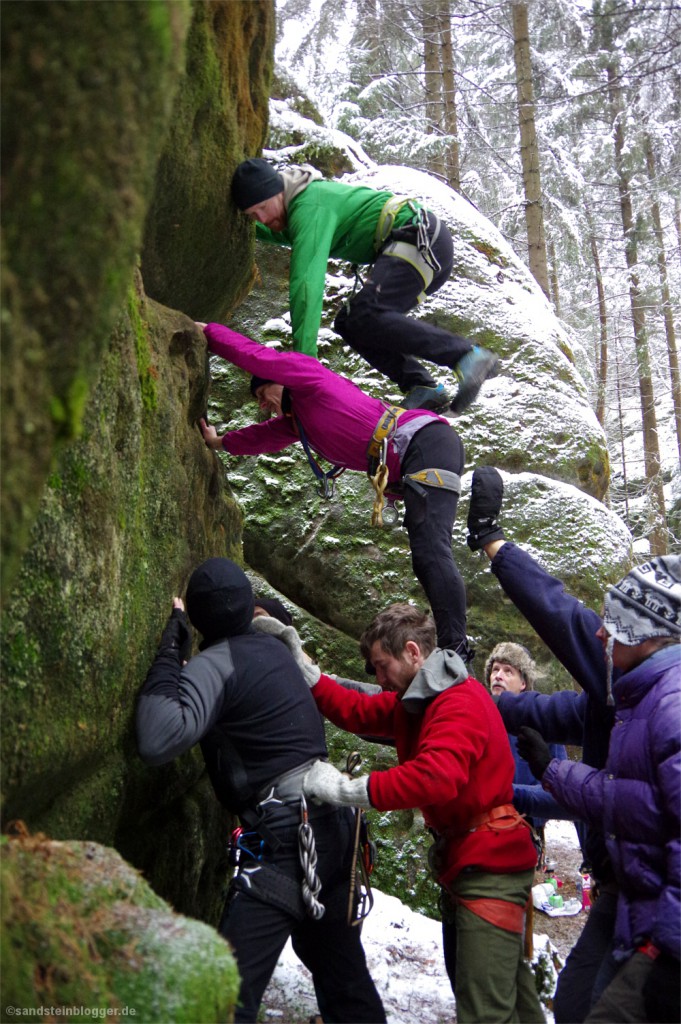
{"x":661,"y":990}
{"x":534,"y":749}
{"x":177,"y":634}
{"x":487,"y":493}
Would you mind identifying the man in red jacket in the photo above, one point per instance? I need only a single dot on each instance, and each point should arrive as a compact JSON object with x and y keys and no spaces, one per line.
{"x":455,"y":764}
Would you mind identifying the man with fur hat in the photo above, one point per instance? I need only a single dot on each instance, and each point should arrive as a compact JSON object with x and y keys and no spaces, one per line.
{"x":411,"y":253}
{"x":511,"y":669}
{"x":574,"y":633}
{"x":246,"y":701}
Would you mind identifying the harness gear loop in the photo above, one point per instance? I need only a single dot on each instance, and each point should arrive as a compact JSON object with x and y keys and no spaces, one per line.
{"x":311,"y":884}
{"x":325,"y":480}
{"x":418,"y":254}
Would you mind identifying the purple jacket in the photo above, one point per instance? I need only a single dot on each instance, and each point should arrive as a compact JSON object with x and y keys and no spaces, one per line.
{"x":338,"y":418}
{"x":636,"y":798}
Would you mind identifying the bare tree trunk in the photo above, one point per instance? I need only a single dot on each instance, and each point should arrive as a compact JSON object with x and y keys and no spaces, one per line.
{"x":651,"y":448}
{"x":529,"y":150}
{"x":602,"y":361}
{"x":555,"y":293}
{"x":433,"y":76}
{"x":664,"y":288}
{"x":450,"y":124}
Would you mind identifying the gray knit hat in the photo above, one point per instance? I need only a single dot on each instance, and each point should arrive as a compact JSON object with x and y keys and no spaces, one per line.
{"x":518,"y":657}
{"x":646,"y":603}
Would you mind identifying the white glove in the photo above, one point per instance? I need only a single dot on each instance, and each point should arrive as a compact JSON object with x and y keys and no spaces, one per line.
{"x":288,"y":635}
{"x":324,"y":784}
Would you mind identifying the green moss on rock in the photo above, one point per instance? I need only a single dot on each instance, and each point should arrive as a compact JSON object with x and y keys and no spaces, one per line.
{"x":197,"y":252}
{"x":86,"y":100}
{"x":82,"y":930}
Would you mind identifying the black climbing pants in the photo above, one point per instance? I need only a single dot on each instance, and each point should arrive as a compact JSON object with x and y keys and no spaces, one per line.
{"x":429,"y":518}
{"x":376,"y":326}
{"x":257,"y":926}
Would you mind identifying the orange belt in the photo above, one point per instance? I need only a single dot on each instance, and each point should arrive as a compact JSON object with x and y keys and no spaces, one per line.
{"x":500,"y":913}
{"x":505,"y":813}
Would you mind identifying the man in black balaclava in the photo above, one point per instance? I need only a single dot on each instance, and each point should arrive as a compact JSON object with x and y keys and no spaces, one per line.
{"x":245,"y":700}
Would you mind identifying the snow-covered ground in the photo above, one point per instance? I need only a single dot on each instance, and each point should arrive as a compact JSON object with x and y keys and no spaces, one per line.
{"x":404,"y":953}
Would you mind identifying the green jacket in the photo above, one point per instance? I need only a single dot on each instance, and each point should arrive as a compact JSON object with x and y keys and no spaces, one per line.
{"x":327,"y":220}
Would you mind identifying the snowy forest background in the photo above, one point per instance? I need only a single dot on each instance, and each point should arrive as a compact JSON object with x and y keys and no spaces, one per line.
{"x":559,"y":120}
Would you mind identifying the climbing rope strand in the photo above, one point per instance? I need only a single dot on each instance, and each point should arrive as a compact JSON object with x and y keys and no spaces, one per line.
{"x":379,"y":482}
{"x":311,"y":884}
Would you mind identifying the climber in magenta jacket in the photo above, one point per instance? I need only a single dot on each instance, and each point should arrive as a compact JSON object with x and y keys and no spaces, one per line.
{"x":338,"y":422}
{"x":456,"y":766}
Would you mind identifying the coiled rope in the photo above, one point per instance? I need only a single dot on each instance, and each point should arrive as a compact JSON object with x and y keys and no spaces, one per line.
{"x":311,"y":884}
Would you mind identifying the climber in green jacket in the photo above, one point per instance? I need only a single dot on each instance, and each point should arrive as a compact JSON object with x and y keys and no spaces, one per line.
{"x":410,"y":252}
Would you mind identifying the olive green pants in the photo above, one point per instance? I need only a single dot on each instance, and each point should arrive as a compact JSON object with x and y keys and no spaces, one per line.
{"x":493,"y":984}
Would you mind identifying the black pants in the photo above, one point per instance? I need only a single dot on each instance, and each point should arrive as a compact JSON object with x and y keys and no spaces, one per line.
{"x":429,"y":518}
{"x":376,"y":325}
{"x":588,"y":969}
{"x":330,"y":949}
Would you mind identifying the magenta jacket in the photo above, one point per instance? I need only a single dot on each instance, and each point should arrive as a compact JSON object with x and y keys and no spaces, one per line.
{"x":338,"y":418}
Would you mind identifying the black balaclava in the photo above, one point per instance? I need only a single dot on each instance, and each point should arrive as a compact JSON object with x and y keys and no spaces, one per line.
{"x":220,"y":599}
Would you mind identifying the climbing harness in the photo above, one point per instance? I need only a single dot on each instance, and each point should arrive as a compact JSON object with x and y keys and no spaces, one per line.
{"x":248,"y":849}
{"x":391,"y":241}
{"x":383,"y":512}
{"x":360,"y":896}
{"x":443,"y":478}
{"x":326,"y":480}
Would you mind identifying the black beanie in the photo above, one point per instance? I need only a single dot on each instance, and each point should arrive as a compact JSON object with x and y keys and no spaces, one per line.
{"x":220,"y":599}
{"x":274,"y":608}
{"x":254,"y":181}
{"x":257,"y":382}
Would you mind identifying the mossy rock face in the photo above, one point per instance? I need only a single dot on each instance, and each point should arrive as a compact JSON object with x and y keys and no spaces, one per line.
{"x":197,"y":252}
{"x":87,"y":97}
{"x":82,"y":929}
{"x":130,"y":509}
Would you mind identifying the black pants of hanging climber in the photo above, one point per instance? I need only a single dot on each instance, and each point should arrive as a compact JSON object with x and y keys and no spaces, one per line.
{"x":264,"y":908}
{"x":429,"y":519}
{"x":376,"y":325}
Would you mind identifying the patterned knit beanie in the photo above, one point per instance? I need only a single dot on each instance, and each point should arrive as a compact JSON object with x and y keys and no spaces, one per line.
{"x":646,"y":603}
{"x":518,"y":657}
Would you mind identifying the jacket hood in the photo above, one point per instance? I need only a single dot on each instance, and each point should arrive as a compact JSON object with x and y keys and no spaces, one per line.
{"x":440,"y":671}
{"x":220,"y":599}
{"x":632,"y":687}
{"x":296,"y":179}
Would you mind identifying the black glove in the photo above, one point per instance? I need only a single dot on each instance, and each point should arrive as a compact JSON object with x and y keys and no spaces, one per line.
{"x":178,"y":635}
{"x":534,"y":749}
{"x":661,"y":990}
{"x":487,"y":493}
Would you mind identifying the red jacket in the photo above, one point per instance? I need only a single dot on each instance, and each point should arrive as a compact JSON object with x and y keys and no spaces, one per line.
{"x":455,"y":763}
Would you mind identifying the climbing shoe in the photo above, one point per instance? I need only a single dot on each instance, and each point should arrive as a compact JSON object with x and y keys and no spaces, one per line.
{"x":471,"y":371}
{"x":422,"y":397}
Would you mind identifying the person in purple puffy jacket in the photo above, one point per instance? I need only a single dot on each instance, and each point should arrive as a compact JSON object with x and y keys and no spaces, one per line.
{"x":636,"y":797}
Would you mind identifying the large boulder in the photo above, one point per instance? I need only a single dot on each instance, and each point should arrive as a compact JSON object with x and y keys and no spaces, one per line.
{"x":83,"y":933}
{"x":129,"y":510}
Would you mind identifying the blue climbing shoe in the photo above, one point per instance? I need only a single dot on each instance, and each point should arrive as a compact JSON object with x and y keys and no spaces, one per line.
{"x":423,"y":397}
{"x":471,"y":371}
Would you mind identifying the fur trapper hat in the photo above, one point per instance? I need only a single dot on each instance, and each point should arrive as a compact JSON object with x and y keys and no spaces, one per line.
{"x":518,"y":657}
